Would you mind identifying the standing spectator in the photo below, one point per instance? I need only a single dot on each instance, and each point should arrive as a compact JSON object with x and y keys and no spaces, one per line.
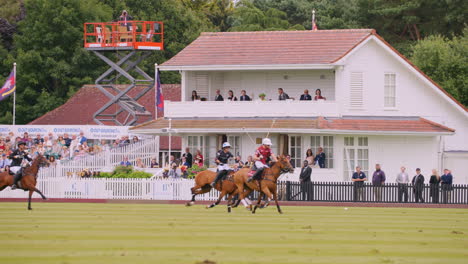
{"x":238,"y":161}
{"x":288,"y":158}
{"x":188,"y":157}
{"x":447,"y":188}
{"x":2,"y":144}
{"x":52,"y":161}
{"x":231,"y":96}
{"x":4,"y":161}
{"x":310,"y":157}
{"x":378,"y":180}
{"x":51,"y":136}
{"x":61,"y":141}
{"x":305,"y":180}
{"x":318,"y":95}
{"x":244,"y":96}
{"x":195,"y":96}
{"x":25,"y":138}
{"x":67,"y":139}
{"x":320,"y":158}
{"x":218,"y":96}
{"x":85,"y":146}
{"x":282,"y":95}
{"x":139,"y":163}
{"x":434,"y":182}
{"x":199,"y":158}
{"x":359,"y":178}
{"x":306,"y":96}
{"x":125,"y":162}
{"x":64,"y":153}
{"x":38,"y":139}
{"x":48,"y":142}
{"x":402,"y":179}
{"x":81,"y":138}
{"x":135,"y":139}
{"x":125,"y":18}
{"x":154,"y":164}
{"x":418,"y":186}
{"x":73,"y":146}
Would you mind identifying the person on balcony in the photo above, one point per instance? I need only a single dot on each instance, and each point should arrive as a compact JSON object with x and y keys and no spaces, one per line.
{"x":218,"y":96}
{"x":125,"y":18}
{"x":282,"y":95}
{"x":320,"y":158}
{"x":244,"y":96}
{"x":222,"y":159}
{"x":195,"y":96}
{"x":231,"y":96}
{"x":263,"y":155}
{"x":318,"y":95}
{"x":306,"y":96}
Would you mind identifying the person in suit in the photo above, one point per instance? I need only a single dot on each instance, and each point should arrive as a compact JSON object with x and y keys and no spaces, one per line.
{"x":434,"y":181}
{"x":306,"y":184}
{"x":320,"y":158}
{"x":306,"y":96}
{"x":447,"y":188}
{"x":282,"y":95}
{"x":218,"y":96}
{"x":244,"y":96}
{"x":418,"y":186}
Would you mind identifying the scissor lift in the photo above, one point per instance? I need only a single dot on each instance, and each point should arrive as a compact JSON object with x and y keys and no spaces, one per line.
{"x":123,"y":45}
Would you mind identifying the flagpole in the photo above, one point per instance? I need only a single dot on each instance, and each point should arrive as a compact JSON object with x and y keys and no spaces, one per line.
{"x":155,"y":91}
{"x":14,"y":94}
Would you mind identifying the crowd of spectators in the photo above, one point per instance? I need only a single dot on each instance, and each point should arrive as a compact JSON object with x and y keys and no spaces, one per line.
{"x":57,"y":147}
{"x":262,"y":97}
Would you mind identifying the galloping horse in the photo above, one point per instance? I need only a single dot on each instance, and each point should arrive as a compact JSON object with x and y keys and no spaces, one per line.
{"x":267,"y":185}
{"x":28,"y":182}
{"x":202,"y":185}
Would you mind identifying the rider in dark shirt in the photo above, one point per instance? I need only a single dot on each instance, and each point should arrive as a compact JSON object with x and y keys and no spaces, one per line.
{"x":17,"y":157}
{"x":222,"y":158}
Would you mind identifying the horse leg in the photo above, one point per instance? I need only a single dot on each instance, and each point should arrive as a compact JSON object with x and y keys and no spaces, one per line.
{"x":196,"y":191}
{"x":29,"y":200}
{"x":40,"y":193}
{"x":276,"y":201}
{"x":230,"y":201}
{"x":221,"y":195}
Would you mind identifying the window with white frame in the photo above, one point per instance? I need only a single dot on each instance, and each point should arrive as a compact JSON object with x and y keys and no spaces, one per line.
{"x":236,"y":144}
{"x":355,"y":153}
{"x":390,"y":90}
{"x":295,"y":150}
{"x":195,"y":143}
{"x":326,"y":142}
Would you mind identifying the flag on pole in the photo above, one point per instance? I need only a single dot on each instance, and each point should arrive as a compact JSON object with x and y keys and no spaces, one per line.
{"x":159,"y":94}
{"x":314,"y":25}
{"x":9,"y":86}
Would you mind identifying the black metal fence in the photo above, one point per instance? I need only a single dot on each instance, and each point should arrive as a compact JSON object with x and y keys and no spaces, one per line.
{"x":387,"y":193}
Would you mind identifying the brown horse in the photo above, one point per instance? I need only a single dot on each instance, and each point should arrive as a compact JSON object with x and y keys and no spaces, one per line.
{"x":28,"y":182}
{"x":202,"y":185}
{"x":266,"y":186}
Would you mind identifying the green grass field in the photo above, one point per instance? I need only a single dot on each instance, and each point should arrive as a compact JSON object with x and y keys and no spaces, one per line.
{"x":148,"y":233}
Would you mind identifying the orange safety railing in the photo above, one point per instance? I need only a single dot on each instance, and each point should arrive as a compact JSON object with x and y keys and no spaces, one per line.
{"x":144,"y":35}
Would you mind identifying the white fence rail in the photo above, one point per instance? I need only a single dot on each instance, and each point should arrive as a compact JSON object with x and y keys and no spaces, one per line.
{"x":100,"y":188}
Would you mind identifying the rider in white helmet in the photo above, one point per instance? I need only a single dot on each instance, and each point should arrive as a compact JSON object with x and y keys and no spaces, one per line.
{"x":262,"y":156}
{"x":222,"y":158}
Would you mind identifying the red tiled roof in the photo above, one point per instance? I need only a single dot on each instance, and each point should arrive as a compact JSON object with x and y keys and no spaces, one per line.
{"x":79,"y":109}
{"x":269,"y":47}
{"x":384,"y":124}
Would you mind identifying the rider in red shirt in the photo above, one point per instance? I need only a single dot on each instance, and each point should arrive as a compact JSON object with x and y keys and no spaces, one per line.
{"x":262,"y":156}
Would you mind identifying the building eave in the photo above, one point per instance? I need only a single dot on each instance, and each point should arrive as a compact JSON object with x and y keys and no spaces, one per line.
{"x":250,"y":67}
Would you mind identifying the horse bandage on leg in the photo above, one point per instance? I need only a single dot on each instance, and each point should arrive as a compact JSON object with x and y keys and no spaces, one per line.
{"x":244,"y":202}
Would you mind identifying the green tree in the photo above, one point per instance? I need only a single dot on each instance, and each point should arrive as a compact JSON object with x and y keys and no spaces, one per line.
{"x":446,"y":62}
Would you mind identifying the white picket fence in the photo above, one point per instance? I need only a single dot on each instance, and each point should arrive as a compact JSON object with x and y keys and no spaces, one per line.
{"x":146,"y":150}
{"x":108,"y":188}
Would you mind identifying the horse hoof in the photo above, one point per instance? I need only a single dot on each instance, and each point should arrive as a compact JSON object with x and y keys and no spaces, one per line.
{"x":229,"y":209}
{"x":29,"y":208}
{"x":281,"y":212}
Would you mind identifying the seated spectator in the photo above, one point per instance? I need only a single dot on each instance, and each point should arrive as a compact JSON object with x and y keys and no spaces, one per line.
{"x":51,"y":136}
{"x":249,"y":163}
{"x":231,"y":96}
{"x":320,"y":158}
{"x":61,"y":141}
{"x":262,"y":97}
{"x":135,"y":139}
{"x":154,"y":164}
{"x":125,"y":162}
{"x":318,"y":95}
{"x":47,"y":142}
{"x":64,"y":153}
{"x":306,"y":97}
{"x":310,"y":157}
{"x":2,"y":144}
{"x":55,"y":148}
{"x":244,"y":96}
{"x":85,"y":146}
{"x":4,"y":161}
{"x":195,"y":96}
{"x":126,"y":139}
{"x":81,"y":138}
{"x":38,"y":139}
{"x":116,"y":143}
{"x":67,"y":139}
{"x":282,"y":95}
{"x":139,"y":163}
{"x":218,"y":96}
{"x":25,"y":137}
{"x":199,"y":158}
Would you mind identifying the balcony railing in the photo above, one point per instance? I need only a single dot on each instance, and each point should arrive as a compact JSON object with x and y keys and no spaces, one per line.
{"x":251,"y":108}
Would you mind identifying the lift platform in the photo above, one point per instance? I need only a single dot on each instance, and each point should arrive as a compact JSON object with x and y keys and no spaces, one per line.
{"x":123,"y":46}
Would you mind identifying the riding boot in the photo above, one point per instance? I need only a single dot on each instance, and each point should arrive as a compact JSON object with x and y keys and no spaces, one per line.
{"x":257,"y":175}
{"x":218,"y":177}
{"x":17,"y":178}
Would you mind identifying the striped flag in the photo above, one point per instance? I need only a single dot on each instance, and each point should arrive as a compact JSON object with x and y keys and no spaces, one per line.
{"x":314,"y":25}
{"x":9,"y":86}
{"x":159,"y":94}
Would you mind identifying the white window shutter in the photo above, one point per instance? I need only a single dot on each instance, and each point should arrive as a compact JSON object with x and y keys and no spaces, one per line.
{"x":201,"y":84}
{"x":356,"y":98}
